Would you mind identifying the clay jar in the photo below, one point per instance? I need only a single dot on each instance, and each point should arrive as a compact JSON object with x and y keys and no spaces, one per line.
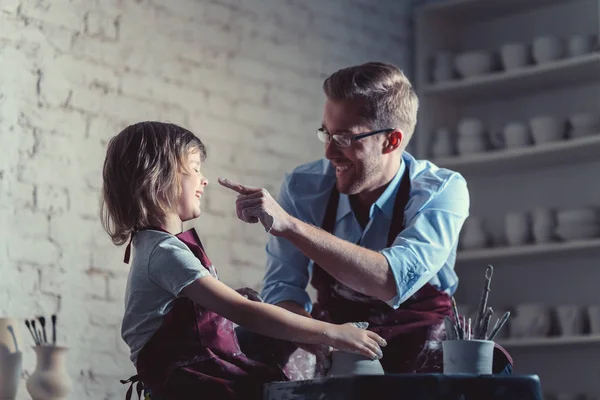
{"x":50,"y":380}
{"x":351,"y":364}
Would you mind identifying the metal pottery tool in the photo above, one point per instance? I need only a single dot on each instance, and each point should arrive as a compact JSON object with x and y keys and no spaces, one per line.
{"x":483,"y":301}
{"x":499,"y":324}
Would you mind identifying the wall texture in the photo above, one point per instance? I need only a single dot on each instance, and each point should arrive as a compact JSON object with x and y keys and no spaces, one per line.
{"x":245,"y":76}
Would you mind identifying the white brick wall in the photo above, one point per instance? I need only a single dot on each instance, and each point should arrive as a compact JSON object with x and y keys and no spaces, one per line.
{"x":244,"y":75}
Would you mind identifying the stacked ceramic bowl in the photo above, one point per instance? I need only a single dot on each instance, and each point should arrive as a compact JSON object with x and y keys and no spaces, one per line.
{"x":472,"y":136}
{"x":580,"y":223}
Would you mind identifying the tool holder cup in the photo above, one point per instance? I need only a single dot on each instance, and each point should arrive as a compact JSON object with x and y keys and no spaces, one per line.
{"x":468,"y":356}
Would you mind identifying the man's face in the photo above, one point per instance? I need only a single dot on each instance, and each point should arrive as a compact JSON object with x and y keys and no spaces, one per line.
{"x":358,"y":167}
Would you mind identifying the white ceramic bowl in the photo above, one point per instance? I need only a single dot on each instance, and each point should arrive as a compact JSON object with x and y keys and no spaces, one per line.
{"x":579,"y":45}
{"x":577,"y":231}
{"x":473,"y":63}
{"x":530,"y":320}
{"x":583,"y":215}
{"x":546,"y":128}
{"x":516,"y":134}
{"x":547,"y":48}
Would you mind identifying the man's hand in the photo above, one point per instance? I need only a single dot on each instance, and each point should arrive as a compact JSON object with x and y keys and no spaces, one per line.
{"x":257,"y":204}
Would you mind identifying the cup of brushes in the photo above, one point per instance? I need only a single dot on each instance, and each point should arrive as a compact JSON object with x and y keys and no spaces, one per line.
{"x":469,"y":347}
{"x":50,"y":380}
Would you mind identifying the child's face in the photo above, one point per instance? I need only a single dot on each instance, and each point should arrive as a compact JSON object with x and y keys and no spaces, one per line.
{"x":192,"y":188}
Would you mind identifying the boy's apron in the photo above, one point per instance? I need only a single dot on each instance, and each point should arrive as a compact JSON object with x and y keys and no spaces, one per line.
{"x":196,"y":352}
{"x":415,"y":330}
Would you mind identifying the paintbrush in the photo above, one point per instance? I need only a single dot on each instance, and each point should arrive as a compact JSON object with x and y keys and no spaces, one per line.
{"x":39,"y":339}
{"x":30,"y":331}
{"x":456,"y":318}
{"x":449,"y":328}
{"x":499,"y":325}
{"x":469,"y":330}
{"x":43,"y":324}
{"x":54,"y":329}
{"x":489,"y":271}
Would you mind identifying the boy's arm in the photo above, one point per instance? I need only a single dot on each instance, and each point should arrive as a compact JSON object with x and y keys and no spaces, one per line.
{"x":276,"y":322}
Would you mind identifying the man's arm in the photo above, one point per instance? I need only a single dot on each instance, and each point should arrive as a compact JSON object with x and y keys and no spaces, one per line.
{"x":395,"y":273}
{"x":287,"y":272}
{"x":361,"y":269}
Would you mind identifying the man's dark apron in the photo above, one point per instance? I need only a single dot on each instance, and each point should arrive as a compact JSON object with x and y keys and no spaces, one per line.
{"x":413,"y":331}
{"x":195,"y":352}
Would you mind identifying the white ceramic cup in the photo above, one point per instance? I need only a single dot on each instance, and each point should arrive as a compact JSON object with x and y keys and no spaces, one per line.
{"x":470,"y":127}
{"x":584,"y":123}
{"x":579,"y":45}
{"x":442,"y":145}
{"x":474,"y":234}
{"x":514,"y":55}
{"x":543,"y":223}
{"x":517,"y":228}
{"x":468,"y":356}
{"x":547,"y":48}
{"x":546,"y":128}
{"x":593,"y":314}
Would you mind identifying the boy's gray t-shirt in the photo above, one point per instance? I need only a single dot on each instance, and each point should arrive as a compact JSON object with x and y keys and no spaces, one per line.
{"x":162,"y":267}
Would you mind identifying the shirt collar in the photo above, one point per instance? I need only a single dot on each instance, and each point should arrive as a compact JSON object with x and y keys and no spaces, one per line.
{"x":385,"y":202}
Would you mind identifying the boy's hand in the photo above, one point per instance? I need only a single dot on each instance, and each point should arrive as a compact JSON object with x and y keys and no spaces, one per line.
{"x":348,"y":337}
{"x":257,"y":204}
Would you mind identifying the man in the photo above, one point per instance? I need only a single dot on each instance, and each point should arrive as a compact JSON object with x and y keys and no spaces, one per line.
{"x":374,"y":230}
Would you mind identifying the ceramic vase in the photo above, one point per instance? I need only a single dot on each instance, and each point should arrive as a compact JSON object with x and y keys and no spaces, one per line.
{"x":50,"y":380}
{"x":11,"y":358}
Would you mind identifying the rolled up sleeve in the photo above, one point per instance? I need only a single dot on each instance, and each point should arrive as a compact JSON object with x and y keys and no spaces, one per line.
{"x":287,"y":273}
{"x":423,"y":247}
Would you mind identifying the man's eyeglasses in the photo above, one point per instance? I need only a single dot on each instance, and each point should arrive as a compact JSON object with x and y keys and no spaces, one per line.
{"x":346,"y":140}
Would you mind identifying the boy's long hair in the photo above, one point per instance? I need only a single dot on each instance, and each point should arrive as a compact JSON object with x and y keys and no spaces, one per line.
{"x":142,"y":176}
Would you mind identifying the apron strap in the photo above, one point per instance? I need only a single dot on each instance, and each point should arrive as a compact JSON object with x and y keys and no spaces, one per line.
{"x":139,"y":387}
{"x":398,"y":219}
{"x":128,"y":249}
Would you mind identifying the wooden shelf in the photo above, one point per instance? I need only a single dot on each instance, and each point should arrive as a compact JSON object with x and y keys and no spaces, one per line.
{"x":515,"y":160}
{"x":545,"y":249}
{"x":550,"y":341}
{"x":461,"y":11}
{"x":504,"y":84}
